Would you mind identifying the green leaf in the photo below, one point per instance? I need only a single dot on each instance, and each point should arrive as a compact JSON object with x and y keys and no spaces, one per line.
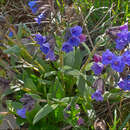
{"x":57,"y":89}
{"x":50,"y":74}
{"x":44,"y":112}
{"x":12,"y":50}
{"x":16,"y":105}
{"x":69,"y":59}
{"x":31,"y":114}
{"x":19,"y":34}
{"x":72,"y":72}
{"x":88,"y":66}
{"x":29,"y":83}
{"x":35,"y":96}
{"x":78,"y":59}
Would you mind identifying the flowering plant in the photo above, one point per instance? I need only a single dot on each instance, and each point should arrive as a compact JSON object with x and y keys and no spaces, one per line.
{"x":61,"y":73}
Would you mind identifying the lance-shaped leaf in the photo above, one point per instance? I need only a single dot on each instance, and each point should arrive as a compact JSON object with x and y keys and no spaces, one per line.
{"x":44,"y":112}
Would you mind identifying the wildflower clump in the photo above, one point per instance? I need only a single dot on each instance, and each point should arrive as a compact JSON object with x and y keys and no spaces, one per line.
{"x":117,"y":62}
{"x":123,"y":37}
{"x":73,"y":38}
{"x":46,"y":46}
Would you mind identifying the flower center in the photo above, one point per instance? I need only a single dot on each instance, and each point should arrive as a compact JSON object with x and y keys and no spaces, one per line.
{"x":109,"y":57}
{"x":116,"y":63}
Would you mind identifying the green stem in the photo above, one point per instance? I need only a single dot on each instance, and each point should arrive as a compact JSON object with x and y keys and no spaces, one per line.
{"x":61,"y":66}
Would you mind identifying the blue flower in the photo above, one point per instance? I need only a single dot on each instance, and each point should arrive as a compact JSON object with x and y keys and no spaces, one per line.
{"x":107,"y":57}
{"x":125,"y":84}
{"x":40,"y":39}
{"x":50,"y":55}
{"x":128,"y":37}
{"x":97,"y":68}
{"x":120,"y":44}
{"x":76,"y":30}
{"x":40,"y":18}
{"x":22,"y":112}
{"x":10,"y":34}
{"x":118,"y":63}
{"x":74,"y":41}
{"x":66,"y":47}
{"x":97,"y":96}
{"x":126,"y":57}
{"x":122,"y":40}
{"x":45,"y":48}
{"x":34,"y":10}
{"x":31,"y":4}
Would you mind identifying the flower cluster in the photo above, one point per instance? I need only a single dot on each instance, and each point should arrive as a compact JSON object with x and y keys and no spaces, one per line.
{"x":73,"y":38}
{"x":97,"y":66}
{"x":46,"y":46}
{"x":34,"y":7}
{"x":67,"y":114}
{"x":28,"y":105}
{"x":117,"y":62}
{"x":123,"y":37}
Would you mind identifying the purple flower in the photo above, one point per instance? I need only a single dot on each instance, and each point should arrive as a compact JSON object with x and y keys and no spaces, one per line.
{"x":125,"y":84}
{"x":120,"y":44}
{"x":97,"y":68}
{"x":97,"y":58}
{"x":82,"y":38}
{"x":74,"y":41}
{"x":22,"y":112}
{"x":122,"y":40}
{"x":126,"y":57}
{"x":66,"y":47}
{"x":107,"y":57}
{"x":118,"y":63}
{"x":31,"y":4}
{"x":77,"y":106}
{"x":45,"y":48}
{"x":124,"y":27}
{"x":76,"y":30}
{"x":28,"y":102}
{"x":40,"y":18}
{"x":80,"y":121}
{"x":50,"y":55}
{"x":10,"y":34}
{"x":67,"y":35}
{"x":97,"y":96}
{"x":34,"y":10}
{"x":128,"y":37}
{"x":40,"y":39}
